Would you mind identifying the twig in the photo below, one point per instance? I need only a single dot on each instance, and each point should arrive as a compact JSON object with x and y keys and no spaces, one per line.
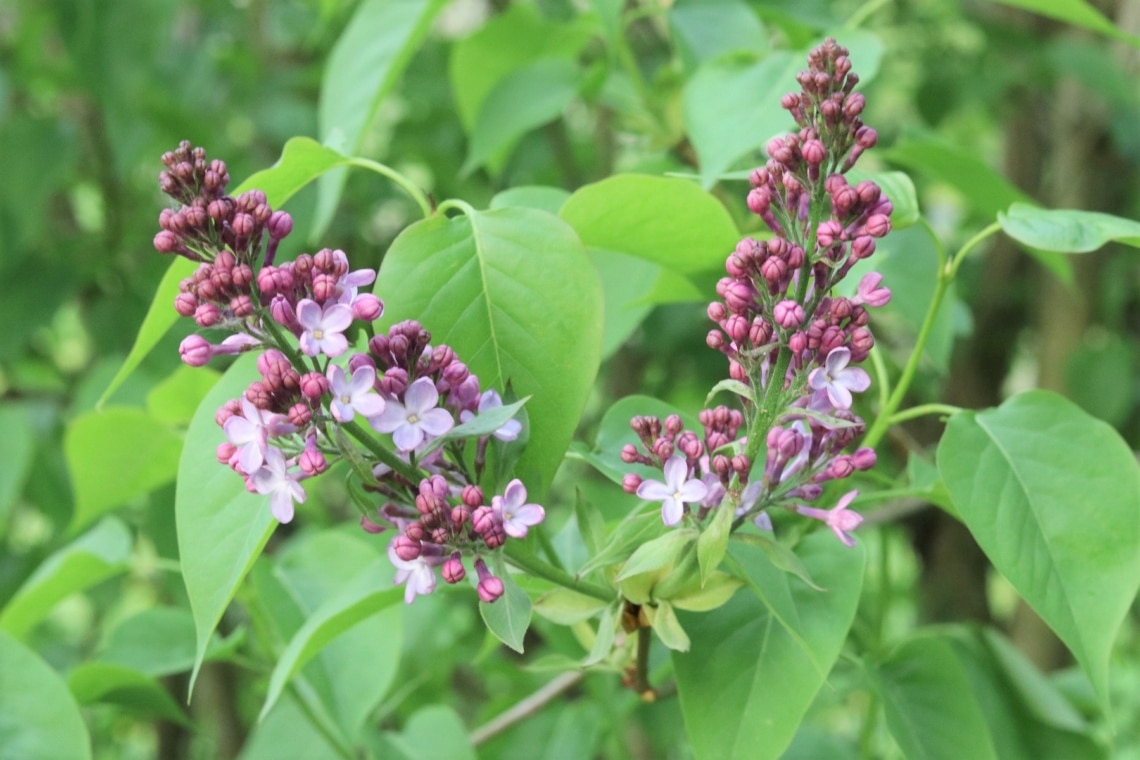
{"x":526,"y":707}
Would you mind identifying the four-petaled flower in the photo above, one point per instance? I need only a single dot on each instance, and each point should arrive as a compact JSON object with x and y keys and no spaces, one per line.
{"x":837,"y":380}
{"x":517,"y":515}
{"x":418,"y":575}
{"x":416,"y":418}
{"x":354,"y":396}
{"x":249,"y":431}
{"x":323,"y":327}
{"x":675,"y":492}
{"x":275,"y":480}
{"x":491,"y":399}
{"x":839,"y":518}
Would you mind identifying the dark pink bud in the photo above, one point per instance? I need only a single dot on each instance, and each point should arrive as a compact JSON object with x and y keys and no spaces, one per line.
{"x":866,"y":137}
{"x":415,"y":531}
{"x":167,"y":242}
{"x":314,"y":385}
{"x":243,"y":224}
{"x":227,"y":410}
{"x":461,"y":514}
{"x":483,"y":520}
{"x":629,"y":454}
{"x":862,"y":341}
{"x":844,"y":198}
{"x":356,"y":361}
{"x":312,"y":461}
{"x":195,"y":350}
{"x":185,"y":304}
{"x":864,"y":458}
{"x":739,"y":296}
{"x":324,"y":287}
{"x":299,"y":415}
{"x":367,"y":307}
{"x":407,"y":548}
{"x":715,"y":340}
{"x":853,"y":105}
{"x":280,"y":225}
{"x":829,"y":233}
{"x":862,"y":247}
{"x":282,"y":312}
{"x":690,"y":445}
{"x":814,"y":152}
{"x":716,"y":311}
{"x":741,"y":465}
{"x":798,"y":342}
{"x":737,"y":328}
{"x":452,"y":570}
{"x":630,"y":482}
{"x":788,"y":314}
{"x":663,"y":448}
{"x":225,"y":452}
{"x":759,"y":200}
{"x":241,"y":306}
{"x":674,"y":424}
{"x":455,"y":373}
{"x":774,"y":270}
{"x":490,"y":588}
{"x":878,"y":225}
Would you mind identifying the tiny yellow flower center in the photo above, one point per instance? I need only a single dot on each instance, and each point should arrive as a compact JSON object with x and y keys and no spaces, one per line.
{"x":413,"y":419}
{"x":318,"y":334}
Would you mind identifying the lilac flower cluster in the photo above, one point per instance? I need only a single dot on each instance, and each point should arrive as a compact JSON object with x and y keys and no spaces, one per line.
{"x":787,"y":337}
{"x":289,"y":424}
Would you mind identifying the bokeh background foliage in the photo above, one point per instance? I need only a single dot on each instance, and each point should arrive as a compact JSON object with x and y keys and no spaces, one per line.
{"x":533,"y":104}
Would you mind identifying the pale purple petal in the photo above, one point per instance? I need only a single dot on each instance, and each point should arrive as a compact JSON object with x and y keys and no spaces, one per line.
{"x":309,"y":314}
{"x":672,"y":511}
{"x":839,"y":395}
{"x":654,"y":490}
{"x":393,"y":416}
{"x":676,"y":470}
{"x":281,"y":505}
{"x":407,"y":437}
{"x":362,"y":381}
{"x":332,"y":344}
{"x":692,"y":490}
{"x":370,"y":405}
{"x":337,"y":318}
{"x":421,"y":396}
{"x":856,"y":379}
{"x":436,"y":422}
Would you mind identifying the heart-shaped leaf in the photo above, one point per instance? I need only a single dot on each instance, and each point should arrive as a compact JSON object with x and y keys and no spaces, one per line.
{"x":513,"y":292}
{"x":1050,"y":495}
{"x":1067,"y":230}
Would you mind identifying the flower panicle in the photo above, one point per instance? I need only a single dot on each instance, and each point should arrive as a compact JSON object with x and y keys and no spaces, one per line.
{"x":284,"y":428}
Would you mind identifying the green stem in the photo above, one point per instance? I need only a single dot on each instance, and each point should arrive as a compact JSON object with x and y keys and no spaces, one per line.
{"x":922,"y":410}
{"x":548,"y":550}
{"x":863,"y":12}
{"x":403,"y":182}
{"x":306,"y":699}
{"x":521,"y":558}
{"x":947,"y":270}
{"x":641,"y":674}
{"x":455,"y":203}
{"x":387,"y":457}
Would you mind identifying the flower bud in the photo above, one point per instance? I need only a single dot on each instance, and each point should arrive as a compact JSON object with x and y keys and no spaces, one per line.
{"x":369,"y":526}
{"x":367,"y":307}
{"x":280,"y":225}
{"x":407,"y":548}
{"x":788,"y":314}
{"x":630,"y":482}
{"x":195,"y":350}
{"x":452,"y":570}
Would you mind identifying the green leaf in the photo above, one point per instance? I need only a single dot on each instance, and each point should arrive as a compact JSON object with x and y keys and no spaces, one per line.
{"x":567,"y":607}
{"x":724,"y":125}
{"x":159,"y":641}
{"x":434,"y":732}
{"x":117,"y":455}
{"x":368,"y":593}
{"x":657,"y":553}
{"x":508,"y":617}
{"x":302,"y":160}
{"x":140,"y":694}
{"x":667,"y":221}
{"x":548,"y":199}
{"x":591,"y":524}
{"x":326,"y":584}
{"x":486,"y":422}
{"x":665,"y":624}
{"x":288,"y":733}
{"x":716,"y":591}
{"x":174,"y":400}
{"x":1099,"y":376}
{"x":222,"y":528}
{"x":509,"y":41}
{"x":1067,"y":230}
{"x":773,"y":672}
{"x":102,"y":552}
{"x":507,"y":289}
{"x":17,"y":449}
{"x":364,"y":67}
{"x":929,"y":706}
{"x":704,"y":30}
{"x":1077,"y":13}
{"x":631,"y":532}
{"x":528,"y":97}
{"x":779,"y":555}
{"x":713,"y":542}
{"x":39,"y":720}
{"x":604,"y":641}
{"x":1050,"y":495}
{"x":732,"y":386}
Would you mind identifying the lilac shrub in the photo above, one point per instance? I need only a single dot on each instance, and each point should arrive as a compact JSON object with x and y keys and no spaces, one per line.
{"x":296,"y":420}
{"x":793,"y":346}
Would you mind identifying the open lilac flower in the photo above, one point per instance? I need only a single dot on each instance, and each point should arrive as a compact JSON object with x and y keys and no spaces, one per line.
{"x":275,"y":480}
{"x":675,"y":492}
{"x":491,"y":399}
{"x":870,"y":293}
{"x":516,"y":514}
{"x":354,"y":396}
{"x":837,"y":380}
{"x":840,"y":519}
{"x":249,"y":431}
{"x":416,"y":418}
{"x":323,"y":327}
{"x":417,"y":575}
